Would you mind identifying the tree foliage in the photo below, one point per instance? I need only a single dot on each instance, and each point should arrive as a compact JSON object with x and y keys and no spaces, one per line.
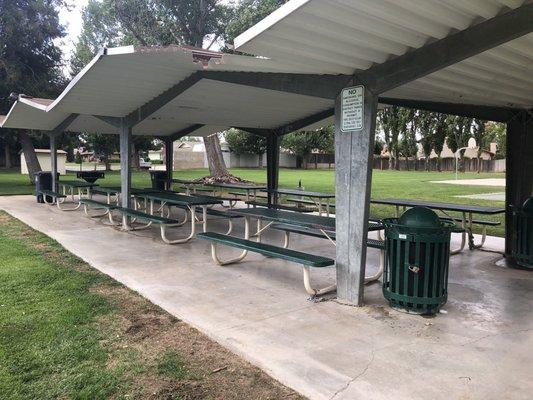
{"x":241,"y":142}
{"x":30,"y":60}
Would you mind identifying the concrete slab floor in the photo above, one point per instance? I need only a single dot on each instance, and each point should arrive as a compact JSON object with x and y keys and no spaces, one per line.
{"x":482,"y":348}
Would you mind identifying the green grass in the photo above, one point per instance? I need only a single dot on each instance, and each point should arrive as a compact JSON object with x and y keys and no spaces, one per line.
{"x":404,"y":185}
{"x":48,"y":346}
{"x":69,"y":332}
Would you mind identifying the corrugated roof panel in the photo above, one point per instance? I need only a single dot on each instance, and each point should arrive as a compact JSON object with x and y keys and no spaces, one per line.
{"x":218,"y":103}
{"x":320,"y":32}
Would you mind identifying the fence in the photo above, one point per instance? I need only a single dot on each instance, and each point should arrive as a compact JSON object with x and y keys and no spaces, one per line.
{"x":446,"y":164}
{"x":317,"y":161}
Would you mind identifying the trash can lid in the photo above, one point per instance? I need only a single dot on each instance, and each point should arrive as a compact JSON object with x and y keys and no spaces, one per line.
{"x":420,"y":217}
{"x":527,"y":207}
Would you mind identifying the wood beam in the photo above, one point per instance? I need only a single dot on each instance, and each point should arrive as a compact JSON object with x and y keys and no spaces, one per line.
{"x":498,"y":114}
{"x":164,"y":98}
{"x":185,"y":132}
{"x":353,"y":173}
{"x":273,"y":147}
{"x":450,"y":50}
{"x":63,"y":125}
{"x":306,"y":121}
{"x":53,"y":160}
{"x":324,"y":86}
{"x":125,"y":169}
{"x":115,"y":121}
{"x":519,"y":170}
{"x":256,"y":131}
{"x":169,"y":160}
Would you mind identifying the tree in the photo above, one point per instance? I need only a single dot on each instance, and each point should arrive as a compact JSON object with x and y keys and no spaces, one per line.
{"x":199,"y":23}
{"x":103,"y":146}
{"x":461,"y":128}
{"x":241,"y":142}
{"x":246,"y":14}
{"x":392,"y":121}
{"x":496,"y":132}
{"x":427,"y":124}
{"x":408,"y":127}
{"x":30,"y":59}
{"x":439,"y":138}
{"x":303,"y":143}
{"x":141,"y":144}
{"x":478,"y":132}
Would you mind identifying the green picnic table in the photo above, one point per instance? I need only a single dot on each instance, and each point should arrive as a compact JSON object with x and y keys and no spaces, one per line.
{"x":467,"y":211}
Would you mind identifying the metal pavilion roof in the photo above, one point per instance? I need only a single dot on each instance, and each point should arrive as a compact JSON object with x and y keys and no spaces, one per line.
{"x":120,"y":80}
{"x":346,"y":36}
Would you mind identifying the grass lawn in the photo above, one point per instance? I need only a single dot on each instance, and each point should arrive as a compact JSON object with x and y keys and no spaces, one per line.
{"x":69,"y":332}
{"x":405,"y":185}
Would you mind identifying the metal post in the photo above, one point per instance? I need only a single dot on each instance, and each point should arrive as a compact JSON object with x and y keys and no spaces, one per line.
{"x":272,"y":166}
{"x":53,"y":161}
{"x":169,"y":160}
{"x":519,"y":169}
{"x":125,"y":169}
{"x":353,"y":171}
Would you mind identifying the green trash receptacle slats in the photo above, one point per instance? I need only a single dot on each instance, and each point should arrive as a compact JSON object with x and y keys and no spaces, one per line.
{"x":523,"y":243}
{"x":416,"y":265}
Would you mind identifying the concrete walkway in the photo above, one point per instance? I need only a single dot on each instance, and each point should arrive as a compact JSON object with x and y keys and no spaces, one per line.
{"x":499,"y":182}
{"x":481,"y":348}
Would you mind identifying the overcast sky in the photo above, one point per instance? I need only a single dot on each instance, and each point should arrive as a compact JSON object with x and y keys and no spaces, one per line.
{"x":72,"y":22}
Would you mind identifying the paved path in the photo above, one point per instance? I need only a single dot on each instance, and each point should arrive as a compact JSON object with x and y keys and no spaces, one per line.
{"x":479,"y":349}
{"x":475,"y":182}
{"x":498,"y":196}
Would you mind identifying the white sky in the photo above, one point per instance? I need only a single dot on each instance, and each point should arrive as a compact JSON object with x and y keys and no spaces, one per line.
{"x":71,"y":19}
{"x":72,"y":22}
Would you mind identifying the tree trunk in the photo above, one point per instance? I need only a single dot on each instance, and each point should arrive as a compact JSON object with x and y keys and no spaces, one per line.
{"x":7,"y":153}
{"x":32,"y":162}
{"x":215,"y":159}
{"x":107,"y":164}
{"x":135,"y":162}
{"x":260,"y":160}
{"x":439,"y":166}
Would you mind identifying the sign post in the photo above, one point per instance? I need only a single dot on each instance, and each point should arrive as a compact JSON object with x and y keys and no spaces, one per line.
{"x":352,"y":109}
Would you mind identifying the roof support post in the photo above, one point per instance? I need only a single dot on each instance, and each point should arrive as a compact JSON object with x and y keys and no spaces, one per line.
{"x":53,"y":160}
{"x":125,"y":169}
{"x":519,"y":170}
{"x":353,"y":172}
{"x":273,"y":142}
{"x":169,"y":160}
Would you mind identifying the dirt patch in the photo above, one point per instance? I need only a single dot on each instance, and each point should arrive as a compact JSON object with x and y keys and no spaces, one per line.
{"x":213,"y":371}
{"x":161,"y":357}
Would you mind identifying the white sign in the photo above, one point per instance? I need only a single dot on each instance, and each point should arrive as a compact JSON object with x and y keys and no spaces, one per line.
{"x":352,"y":109}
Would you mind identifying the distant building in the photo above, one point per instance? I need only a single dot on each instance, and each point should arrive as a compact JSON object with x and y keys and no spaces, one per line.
{"x":43,"y":155}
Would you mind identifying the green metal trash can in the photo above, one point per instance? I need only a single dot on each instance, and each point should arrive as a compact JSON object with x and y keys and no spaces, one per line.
{"x":523,"y":227}
{"x":159,"y":179}
{"x":417,"y":255}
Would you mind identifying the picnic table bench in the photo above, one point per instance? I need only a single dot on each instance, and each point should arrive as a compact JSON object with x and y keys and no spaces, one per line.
{"x":466,"y":220}
{"x":319,"y":199}
{"x":254,"y":203}
{"x":57,"y":198}
{"x":304,"y":222}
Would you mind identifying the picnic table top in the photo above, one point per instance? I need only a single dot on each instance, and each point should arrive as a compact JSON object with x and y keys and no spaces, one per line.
{"x":298,"y":192}
{"x":118,"y":189}
{"x":294,"y":218}
{"x":181,"y":199}
{"x":77,"y":184}
{"x":243,"y":186}
{"x":441,"y":206}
